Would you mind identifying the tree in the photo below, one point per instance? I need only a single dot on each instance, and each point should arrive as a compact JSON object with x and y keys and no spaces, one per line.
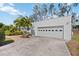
{"x":2,"y":33}
{"x":27,"y":22}
{"x":51,"y":9}
{"x":33,"y":17}
{"x":18,"y":23}
{"x":62,"y":9}
{"x":23,"y":22}
{"x":45,"y":10}
{"x":36,"y":12}
{"x":66,"y":8}
{"x":1,"y":25}
{"x":6,"y":27}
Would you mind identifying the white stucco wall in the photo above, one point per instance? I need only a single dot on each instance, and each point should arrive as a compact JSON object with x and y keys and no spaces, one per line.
{"x":62,"y":21}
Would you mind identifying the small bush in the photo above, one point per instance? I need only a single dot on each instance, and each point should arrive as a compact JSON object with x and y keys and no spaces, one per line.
{"x":26,"y":34}
{"x":4,"y":42}
{"x":17,"y":32}
{"x":2,"y":34}
{"x":8,"y":33}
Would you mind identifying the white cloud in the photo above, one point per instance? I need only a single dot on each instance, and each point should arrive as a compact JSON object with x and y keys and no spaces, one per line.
{"x":11,"y":4}
{"x":9,"y":8}
{"x":69,"y":3}
{"x":1,"y":4}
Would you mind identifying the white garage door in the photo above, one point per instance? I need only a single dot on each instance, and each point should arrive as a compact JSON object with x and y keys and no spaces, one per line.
{"x":56,"y":32}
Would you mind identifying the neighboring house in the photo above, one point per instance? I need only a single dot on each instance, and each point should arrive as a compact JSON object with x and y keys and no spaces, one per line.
{"x":75,"y":23}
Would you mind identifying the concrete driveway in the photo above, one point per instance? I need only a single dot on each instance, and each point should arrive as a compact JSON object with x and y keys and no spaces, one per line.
{"x":35,"y":46}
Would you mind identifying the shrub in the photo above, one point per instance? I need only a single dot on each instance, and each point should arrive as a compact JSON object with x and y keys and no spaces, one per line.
{"x":17,"y":32}
{"x":26,"y":34}
{"x":8,"y":33}
{"x":2,"y":34}
{"x":4,"y":42}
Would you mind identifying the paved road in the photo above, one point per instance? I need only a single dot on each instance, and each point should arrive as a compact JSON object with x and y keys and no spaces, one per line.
{"x":35,"y":46}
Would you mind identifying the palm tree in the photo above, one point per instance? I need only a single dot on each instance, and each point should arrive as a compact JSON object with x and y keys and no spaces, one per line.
{"x":23,"y":22}
{"x":27,"y":22}
{"x":18,"y":23}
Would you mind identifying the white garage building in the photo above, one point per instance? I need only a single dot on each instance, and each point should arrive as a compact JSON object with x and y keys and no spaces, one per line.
{"x":56,"y":28}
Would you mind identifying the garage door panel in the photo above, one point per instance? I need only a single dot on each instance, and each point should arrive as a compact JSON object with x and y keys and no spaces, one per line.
{"x":56,"y":32}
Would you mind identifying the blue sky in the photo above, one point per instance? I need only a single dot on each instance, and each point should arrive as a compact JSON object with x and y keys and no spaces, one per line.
{"x":7,"y":16}
{"x":9,"y":12}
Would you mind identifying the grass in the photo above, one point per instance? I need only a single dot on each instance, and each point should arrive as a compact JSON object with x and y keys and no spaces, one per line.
{"x":6,"y":41}
{"x":75,"y":37}
{"x":73,"y":45}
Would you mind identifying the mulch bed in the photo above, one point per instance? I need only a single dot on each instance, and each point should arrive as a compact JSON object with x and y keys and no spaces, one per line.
{"x":76,"y":32}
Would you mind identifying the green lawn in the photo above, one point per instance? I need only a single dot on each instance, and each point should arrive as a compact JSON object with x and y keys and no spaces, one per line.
{"x":75,"y":37}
